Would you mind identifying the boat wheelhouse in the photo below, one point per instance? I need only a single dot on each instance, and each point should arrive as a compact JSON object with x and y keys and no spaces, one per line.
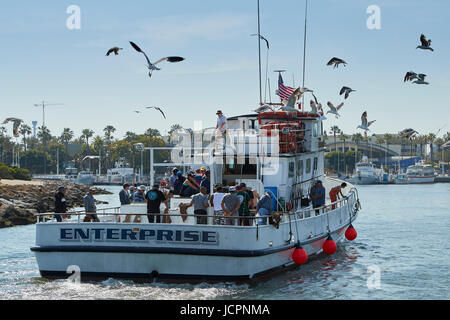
{"x":279,"y":153}
{"x":420,"y":173}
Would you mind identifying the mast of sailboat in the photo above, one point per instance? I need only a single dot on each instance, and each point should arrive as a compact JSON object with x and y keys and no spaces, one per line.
{"x":304,"y":50}
{"x":259,"y":55}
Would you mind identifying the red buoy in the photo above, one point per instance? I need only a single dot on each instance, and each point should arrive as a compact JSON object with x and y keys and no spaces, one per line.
{"x":300,"y":256}
{"x":329,"y":246}
{"x":351,"y":233}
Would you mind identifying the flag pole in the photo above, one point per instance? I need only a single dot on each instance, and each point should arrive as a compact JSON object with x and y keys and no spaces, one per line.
{"x":259,"y":54}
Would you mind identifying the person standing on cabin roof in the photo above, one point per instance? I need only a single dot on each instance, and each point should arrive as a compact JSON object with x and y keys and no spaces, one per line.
{"x":60,"y":203}
{"x":317,"y":195}
{"x":335,"y":192}
{"x":230,"y":206}
{"x":124,"y":196}
{"x":221,"y":131}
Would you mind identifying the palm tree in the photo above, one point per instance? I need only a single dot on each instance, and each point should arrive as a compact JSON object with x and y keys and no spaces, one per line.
{"x":44,"y":135}
{"x":131,"y":136}
{"x":151,"y":133}
{"x":109,"y":130}
{"x":173,"y":129}
{"x":87,"y":134}
{"x":431,"y":137}
{"x":25,"y":130}
{"x":357,"y":138}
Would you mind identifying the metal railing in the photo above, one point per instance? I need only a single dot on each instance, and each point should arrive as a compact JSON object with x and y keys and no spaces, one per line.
{"x":351,"y":200}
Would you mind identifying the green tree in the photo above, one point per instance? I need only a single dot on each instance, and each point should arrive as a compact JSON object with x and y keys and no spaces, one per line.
{"x":25,"y":131}
{"x":87,"y":134}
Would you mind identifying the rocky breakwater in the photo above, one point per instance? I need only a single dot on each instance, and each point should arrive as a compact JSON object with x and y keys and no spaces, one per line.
{"x":20,"y":203}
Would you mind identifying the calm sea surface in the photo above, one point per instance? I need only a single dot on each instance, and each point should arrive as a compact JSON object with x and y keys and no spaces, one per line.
{"x":403,"y":236}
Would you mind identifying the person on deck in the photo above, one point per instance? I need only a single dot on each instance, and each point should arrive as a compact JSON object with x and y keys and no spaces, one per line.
{"x":60,"y":203}
{"x":154,"y":198}
{"x":206,"y":182}
{"x":264,"y":208}
{"x":230,"y":206}
{"x":317,"y":195}
{"x":335,"y":192}
{"x":200,"y":203}
{"x":215,"y":201}
{"x":244,"y":210}
{"x":173,"y":177}
{"x":124,"y":196}
{"x":90,"y":207}
{"x":190,"y":187}
{"x":139,"y":196}
{"x":178,"y":184}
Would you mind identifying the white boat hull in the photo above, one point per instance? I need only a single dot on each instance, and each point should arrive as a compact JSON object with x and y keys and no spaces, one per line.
{"x":167,"y":252}
{"x":420,"y":180}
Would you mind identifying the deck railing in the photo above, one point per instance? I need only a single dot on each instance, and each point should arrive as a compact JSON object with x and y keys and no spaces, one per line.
{"x":350,"y":200}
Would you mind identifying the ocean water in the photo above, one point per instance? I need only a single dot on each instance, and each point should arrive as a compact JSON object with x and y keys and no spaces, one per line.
{"x":401,"y":253}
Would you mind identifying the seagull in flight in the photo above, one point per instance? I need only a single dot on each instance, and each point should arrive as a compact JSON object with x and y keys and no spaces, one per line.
{"x":317,"y":104}
{"x":421,"y":79}
{"x":115,"y":50}
{"x":347,"y":91}
{"x":159,"y":109}
{"x":16,"y":124}
{"x":410,"y":76}
{"x":152,"y":66}
{"x":334,"y":110}
{"x":364,"y":123}
{"x":137,"y":112}
{"x":336,"y":62}
{"x":426,"y":44}
{"x":296,"y":95}
{"x":408,"y":133}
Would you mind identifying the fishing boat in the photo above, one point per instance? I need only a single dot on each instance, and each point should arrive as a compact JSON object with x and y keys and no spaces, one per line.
{"x":366,"y":173}
{"x":420,"y":173}
{"x":279,"y":154}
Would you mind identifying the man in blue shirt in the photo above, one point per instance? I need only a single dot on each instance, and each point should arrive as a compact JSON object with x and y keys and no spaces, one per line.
{"x":317,"y":195}
{"x":173,"y":177}
{"x":124,"y":196}
{"x":206,"y":182}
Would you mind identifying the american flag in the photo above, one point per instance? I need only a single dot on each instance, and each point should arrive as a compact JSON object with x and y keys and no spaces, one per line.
{"x":283,"y":91}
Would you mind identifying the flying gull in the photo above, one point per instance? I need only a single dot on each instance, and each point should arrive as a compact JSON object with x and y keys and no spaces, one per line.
{"x":336,"y":62}
{"x":410,"y":76}
{"x":364,"y":123}
{"x":408,"y":133}
{"x":115,"y":50}
{"x":16,"y":124}
{"x":347,"y":91}
{"x":425,"y":43}
{"x":334,"y":110}
{"x":159,"y":109}
{"x":421,"y":79}
{"x":152,"y":66}
{"x":296,"y":95}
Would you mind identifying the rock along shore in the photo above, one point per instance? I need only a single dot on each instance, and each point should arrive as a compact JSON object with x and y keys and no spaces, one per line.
{"x":20,"y":203}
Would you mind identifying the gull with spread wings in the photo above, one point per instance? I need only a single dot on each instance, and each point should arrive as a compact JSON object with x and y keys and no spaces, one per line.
{"x":115,"y":50}
{"x":16,"y":124}
{"x":425,"y":44}
{"x":364,"y":123}
{"x":152,"y":66}
{"x":334,"y":110}
{"x":336,"y":62}
{"x":347,"y":91}
{"x":159,"y":109}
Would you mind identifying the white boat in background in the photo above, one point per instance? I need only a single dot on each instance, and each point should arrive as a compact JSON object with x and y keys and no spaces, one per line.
{"x":400,"y":178}
{"x":366,"y":173}
{"x":420,"y":173}
{"x":85,"y":177}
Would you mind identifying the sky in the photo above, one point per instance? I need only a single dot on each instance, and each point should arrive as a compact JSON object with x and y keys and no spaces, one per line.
{"x":42,"y":59}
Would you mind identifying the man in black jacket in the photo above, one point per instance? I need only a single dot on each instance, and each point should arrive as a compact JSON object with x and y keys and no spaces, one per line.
{"x":60,"y":203}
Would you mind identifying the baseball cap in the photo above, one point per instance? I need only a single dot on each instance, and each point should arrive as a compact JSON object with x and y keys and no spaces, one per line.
{"x":232,"y":189}
{"x":203,"y":168}
{"x":219,"y":112}
{"x":179,"y":173}
{"x":318,"y":181}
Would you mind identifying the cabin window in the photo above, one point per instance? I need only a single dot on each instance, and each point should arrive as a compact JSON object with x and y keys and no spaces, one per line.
{"x":316,"y":162}
{"x":291,"y":169}
{"x":300,"y":168}
{"x":308,"y":165}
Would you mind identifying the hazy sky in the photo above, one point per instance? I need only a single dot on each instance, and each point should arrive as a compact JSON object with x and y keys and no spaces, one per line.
{"x":42,"y":59}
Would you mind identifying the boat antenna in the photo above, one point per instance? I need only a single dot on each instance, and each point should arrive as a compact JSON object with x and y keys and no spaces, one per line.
{"x":259,"y":55}
{"x":304,"y":50}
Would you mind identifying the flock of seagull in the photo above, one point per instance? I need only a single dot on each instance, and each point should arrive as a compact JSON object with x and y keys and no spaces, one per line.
{"x":151,"y":66}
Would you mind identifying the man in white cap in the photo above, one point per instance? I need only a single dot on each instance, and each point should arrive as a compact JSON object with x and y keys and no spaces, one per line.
{"x":230,"y":206}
